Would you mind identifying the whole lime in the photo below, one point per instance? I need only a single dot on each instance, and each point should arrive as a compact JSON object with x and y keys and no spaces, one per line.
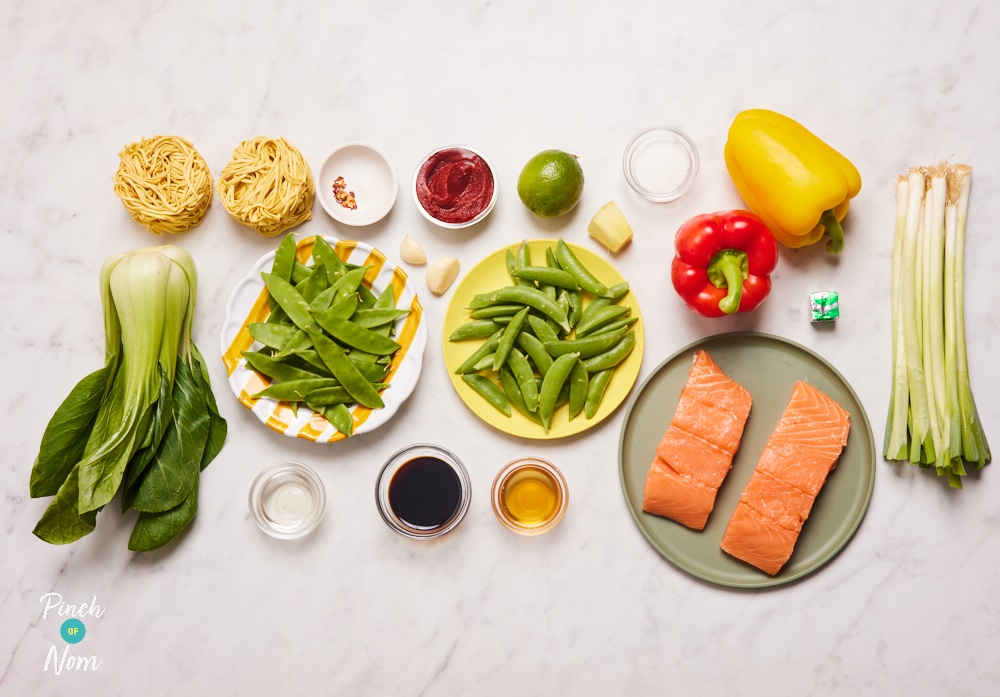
{"x":551,"y":183}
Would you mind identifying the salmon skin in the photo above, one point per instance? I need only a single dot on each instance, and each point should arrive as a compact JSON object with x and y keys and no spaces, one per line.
{"x":696,"y":452}
{"x":799,"y":454}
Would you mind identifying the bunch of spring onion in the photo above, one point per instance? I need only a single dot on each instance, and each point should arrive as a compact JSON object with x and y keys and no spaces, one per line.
{"x":933,"y":421}
{"x":146,"y":423}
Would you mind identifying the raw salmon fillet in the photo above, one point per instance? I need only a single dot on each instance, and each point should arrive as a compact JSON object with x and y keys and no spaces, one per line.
{"x":793,"y":467}
{"x":696,"y":452}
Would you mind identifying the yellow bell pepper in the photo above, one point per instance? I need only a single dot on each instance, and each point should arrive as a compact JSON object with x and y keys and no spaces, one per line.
{"x":799,"y":185}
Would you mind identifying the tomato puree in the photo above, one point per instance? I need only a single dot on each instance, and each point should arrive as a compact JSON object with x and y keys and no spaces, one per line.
{"x":454,"y":185}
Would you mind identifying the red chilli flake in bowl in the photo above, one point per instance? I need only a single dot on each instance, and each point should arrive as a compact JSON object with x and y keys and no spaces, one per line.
{"x":342,"y":196}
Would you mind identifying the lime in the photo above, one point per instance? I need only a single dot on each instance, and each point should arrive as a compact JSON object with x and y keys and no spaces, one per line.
{"x":551,"y":183}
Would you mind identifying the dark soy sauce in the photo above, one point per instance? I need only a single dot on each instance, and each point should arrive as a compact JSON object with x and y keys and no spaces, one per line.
{"x":425,"y":493}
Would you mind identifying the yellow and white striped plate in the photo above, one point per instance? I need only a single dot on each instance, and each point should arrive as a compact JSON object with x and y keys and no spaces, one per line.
{"x":248,"y":304}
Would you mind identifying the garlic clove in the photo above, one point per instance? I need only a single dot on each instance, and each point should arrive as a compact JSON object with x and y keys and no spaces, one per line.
{"x":441,"y":274}
{"x":411,"y":252}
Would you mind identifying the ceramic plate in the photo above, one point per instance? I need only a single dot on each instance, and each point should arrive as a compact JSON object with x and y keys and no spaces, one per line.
{"x":491,"y":274}
{"x":768,"y":366}
{"x":249,"y":304}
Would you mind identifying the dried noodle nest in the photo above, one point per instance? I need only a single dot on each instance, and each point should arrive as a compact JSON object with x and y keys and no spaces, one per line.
{"x":164,"y":184}
{"x":267,"y":186}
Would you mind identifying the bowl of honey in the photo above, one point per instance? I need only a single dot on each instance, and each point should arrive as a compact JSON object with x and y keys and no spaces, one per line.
{"x":529,"y":496}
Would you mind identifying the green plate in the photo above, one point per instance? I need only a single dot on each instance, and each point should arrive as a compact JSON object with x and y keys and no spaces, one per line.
{"x":768,"y":366}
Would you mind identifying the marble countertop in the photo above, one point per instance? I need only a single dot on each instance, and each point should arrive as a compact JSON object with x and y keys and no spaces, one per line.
{"x":908,"y":607}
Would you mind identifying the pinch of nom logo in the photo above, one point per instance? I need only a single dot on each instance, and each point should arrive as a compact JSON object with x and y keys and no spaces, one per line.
{"x":72,"y":631}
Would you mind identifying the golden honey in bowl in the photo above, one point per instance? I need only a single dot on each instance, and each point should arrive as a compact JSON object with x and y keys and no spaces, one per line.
{"x":529,"y":496}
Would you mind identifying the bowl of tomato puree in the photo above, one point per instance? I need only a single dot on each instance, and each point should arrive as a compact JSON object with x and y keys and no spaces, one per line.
{"x":454,"y":187}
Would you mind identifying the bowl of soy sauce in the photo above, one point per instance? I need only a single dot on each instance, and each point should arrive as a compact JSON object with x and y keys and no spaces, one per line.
{"x":423,"y":491}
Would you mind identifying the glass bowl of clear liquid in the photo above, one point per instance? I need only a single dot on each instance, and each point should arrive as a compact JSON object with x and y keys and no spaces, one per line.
{"x":287,"y":500}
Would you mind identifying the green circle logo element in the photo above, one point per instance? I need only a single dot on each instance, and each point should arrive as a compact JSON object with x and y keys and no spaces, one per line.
{"x":73,"y":631}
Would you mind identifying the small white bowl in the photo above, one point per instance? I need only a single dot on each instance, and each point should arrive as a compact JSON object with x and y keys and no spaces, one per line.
{"x":367,"y":173}
{"x":465,"y":223}
{"x":660,"y":163}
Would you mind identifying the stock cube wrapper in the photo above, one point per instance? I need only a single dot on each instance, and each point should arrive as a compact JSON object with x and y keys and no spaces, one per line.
{"x":824,"y":306}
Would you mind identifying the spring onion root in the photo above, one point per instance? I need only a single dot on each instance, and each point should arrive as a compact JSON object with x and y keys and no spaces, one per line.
{"x":932,"y":420}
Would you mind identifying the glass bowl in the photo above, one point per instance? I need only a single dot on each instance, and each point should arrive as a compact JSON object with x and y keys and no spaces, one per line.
{"x":423,"y":491}
{"x":287,"y":500}
{"x":529,"y":496}
{"x":661,"y":163}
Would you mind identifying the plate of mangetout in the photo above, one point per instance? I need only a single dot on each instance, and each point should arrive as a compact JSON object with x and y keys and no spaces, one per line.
{"x":491,"y":274}
{"x":768,"y":367}
{"x":249,"y":304}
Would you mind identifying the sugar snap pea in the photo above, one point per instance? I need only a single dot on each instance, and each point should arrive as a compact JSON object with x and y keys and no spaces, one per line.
{"x":495,"y":311}
{"x":585,"y":347}
{"x":523,"y":257}
{"x":510,"y":333}
{"x":591,"y":321}
{"x":613,"y":356}
{"x":542,"y":329}
{"x":525,"y":377}
{"x":578,"y":381}
{"x":512,"y":267}
{"x":575,"y":301}
{"x":536,"y":351}
{"x":545,"y":274}
{"x":488,"y":347}
{"x":474,"y":329}
{"x":617,"y":324}
{"x":618,"y":290}
{"x":486,"y":363}
{"x":490,"y":391}
{"x":525,"y":296}
{"x":568,"y":261}
{"x":510,"y":387}
{"x":550,"y":259}
{"x":595,"y":391}
{"x":552,"y":385}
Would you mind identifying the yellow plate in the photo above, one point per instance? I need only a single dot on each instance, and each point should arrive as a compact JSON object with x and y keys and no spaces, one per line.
{"x":491,"y":274}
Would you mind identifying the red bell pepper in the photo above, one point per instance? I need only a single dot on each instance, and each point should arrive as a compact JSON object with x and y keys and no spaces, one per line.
{"x":723,"y":263}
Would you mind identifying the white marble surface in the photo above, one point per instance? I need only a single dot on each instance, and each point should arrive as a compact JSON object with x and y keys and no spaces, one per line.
{"x":909,"y":607}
